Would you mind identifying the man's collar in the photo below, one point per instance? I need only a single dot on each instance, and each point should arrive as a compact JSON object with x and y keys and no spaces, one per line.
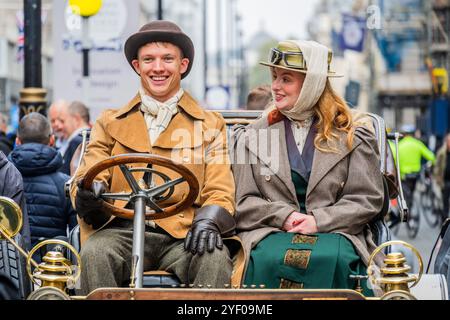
{"x":130,"y":105}
{"x":191,"y":107}
{"x":187,"y":103}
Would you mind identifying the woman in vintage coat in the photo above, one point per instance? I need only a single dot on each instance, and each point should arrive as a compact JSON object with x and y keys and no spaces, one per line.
{"x":307,"y":179}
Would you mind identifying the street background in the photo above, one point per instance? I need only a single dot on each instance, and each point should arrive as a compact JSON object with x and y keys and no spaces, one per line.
{"x":394,"y":56}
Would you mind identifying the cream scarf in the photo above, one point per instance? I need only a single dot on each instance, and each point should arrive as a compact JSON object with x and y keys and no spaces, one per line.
{"x":157,"y":114}
{"x":316,"y":57}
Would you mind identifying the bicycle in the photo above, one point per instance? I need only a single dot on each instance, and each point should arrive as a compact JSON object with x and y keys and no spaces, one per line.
{"x":413,"y":219}
{"x":412,"y":197}
{"x":430,"y":197}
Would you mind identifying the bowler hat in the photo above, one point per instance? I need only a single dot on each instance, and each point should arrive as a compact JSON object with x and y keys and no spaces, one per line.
{"x":160,"y":31}
{"x":286,"y":55}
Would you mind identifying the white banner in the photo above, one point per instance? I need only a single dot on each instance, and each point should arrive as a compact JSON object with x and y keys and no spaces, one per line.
{"x":111,"y":82}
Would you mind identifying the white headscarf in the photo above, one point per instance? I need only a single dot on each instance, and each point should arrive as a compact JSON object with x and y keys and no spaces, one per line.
{"x":316,"y":57}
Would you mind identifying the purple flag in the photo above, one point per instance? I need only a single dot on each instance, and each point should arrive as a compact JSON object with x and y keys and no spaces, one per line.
{"x":353,"y":33}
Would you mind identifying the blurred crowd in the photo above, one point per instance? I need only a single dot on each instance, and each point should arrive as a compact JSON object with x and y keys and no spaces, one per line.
{"x":38,"y":156}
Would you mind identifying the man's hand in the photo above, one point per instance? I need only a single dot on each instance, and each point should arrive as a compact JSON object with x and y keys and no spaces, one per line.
{"x":89,"y":204}
{"x":203,"y":234}
{"x":300,"y":223}
{"x":209,"y":225}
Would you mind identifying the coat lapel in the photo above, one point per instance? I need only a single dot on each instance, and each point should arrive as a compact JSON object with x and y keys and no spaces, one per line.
{"x":278,"y":159}
{"x":129,"y":126}
{"x":323,"y":162}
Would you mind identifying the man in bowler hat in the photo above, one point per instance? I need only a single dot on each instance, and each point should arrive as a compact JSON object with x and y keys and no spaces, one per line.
{"x":189,"y":244}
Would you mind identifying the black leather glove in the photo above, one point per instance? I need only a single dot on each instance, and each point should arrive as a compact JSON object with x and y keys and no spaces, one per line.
{"x":89,"y":205}
{"x":209,"y":225}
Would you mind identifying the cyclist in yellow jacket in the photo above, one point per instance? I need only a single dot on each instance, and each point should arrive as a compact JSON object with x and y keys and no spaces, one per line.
{"x":411,"y":151}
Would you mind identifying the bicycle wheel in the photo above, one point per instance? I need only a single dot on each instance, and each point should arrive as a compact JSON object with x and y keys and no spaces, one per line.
{"x":413,"y":223}
{"x":431,"y":210}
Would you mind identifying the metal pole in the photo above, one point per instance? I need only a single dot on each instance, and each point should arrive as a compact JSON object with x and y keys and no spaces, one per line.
{"x":138,"y":240}
{"x":86,"y":46}
{"x":243,"y":77}
{"x":219,"y":42}
{"x":32,"y":30}
{"x":160,"y":10}
{"x":32,"y":97}
{"x":205,"y":47}
{"x":229,"y":74}
{"x":373,"y":94}
{"x":234,"y":70}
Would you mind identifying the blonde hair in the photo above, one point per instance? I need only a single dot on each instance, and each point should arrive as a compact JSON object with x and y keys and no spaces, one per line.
{"x":334,"y":115}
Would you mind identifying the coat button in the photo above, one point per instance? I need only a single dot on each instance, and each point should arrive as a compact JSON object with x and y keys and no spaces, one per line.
{"x":267,"y":177}
{"x":342,"y":184}
{"x":181,"y":215}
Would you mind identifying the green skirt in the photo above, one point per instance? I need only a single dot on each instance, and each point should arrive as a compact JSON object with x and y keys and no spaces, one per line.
{"x":294,"y":261}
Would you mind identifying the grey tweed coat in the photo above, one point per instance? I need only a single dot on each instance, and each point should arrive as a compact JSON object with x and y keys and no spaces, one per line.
{"x":345,"y":189}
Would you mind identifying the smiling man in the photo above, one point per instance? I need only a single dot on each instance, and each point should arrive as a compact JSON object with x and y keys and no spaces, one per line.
{"x":189,"y":244}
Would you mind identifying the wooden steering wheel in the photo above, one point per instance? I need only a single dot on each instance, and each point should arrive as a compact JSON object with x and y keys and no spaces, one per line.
{"x":154,"y":194}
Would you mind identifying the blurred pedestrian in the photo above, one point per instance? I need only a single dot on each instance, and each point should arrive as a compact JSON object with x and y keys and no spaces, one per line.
{"x":11,"y":186}
{"x":6,"y":144}
{"x":441,"y":173}
{"x":259,"y":98}
{"x":78,"y":120}
{"x":13,"y":118}
{"x":58,"y":114}
{"x":50,"y":212}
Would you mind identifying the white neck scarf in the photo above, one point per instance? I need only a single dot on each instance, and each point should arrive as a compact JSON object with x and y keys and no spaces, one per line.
{"x":316,"y":57}
{"x":157,"y":114}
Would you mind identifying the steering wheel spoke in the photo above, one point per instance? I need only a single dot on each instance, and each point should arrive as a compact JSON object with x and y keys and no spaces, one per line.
{"x":156,"y":191}
{"x":150,"y":203}
{"x":130,"y":179}
{"x":123,"y":196}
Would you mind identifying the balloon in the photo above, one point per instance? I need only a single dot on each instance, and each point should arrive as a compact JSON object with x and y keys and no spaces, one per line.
{"x":85,"y":8}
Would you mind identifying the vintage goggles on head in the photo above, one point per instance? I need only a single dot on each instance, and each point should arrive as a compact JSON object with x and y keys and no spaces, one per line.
{"x":290,"y":59}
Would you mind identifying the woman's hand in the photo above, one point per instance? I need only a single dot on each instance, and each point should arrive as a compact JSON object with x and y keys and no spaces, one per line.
{"x":290,"y":220}
{"x":300,"y":223}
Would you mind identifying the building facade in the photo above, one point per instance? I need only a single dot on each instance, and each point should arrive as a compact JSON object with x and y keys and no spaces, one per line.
{"x":11,"y":54}
{"x":387,"y":67}
{"x":188,"y":14}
